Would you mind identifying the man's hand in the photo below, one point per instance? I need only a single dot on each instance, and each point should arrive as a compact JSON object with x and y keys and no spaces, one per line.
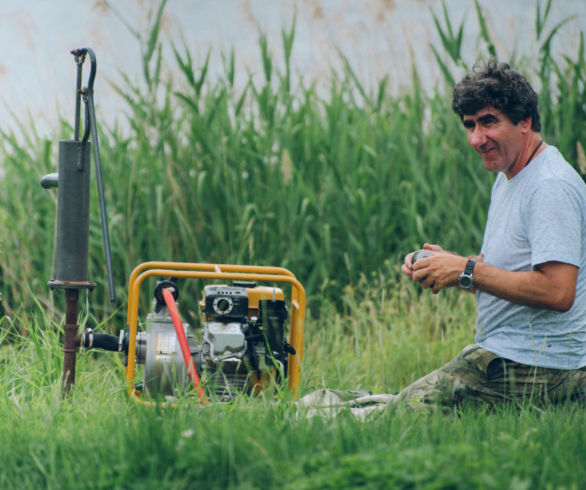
{"x":407,"y":267}
{"x":438,"y":272}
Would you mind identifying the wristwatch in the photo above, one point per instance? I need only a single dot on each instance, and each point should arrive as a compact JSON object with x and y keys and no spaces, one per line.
{"x":465,"y":280}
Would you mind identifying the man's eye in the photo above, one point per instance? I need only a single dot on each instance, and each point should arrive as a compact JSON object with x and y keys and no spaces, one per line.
{"x":490,"y":121}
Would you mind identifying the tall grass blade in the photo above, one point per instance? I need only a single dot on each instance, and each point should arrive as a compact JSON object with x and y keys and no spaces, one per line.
{"x":151,"y":46}
{"x":484,"y":30}
{"x":451,"y":42}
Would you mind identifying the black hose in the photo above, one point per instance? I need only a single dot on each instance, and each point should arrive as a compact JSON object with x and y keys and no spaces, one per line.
{"x":91,"y":340}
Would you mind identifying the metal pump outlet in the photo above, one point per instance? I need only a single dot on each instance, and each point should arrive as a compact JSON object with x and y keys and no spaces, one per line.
{"x":73,"y":212}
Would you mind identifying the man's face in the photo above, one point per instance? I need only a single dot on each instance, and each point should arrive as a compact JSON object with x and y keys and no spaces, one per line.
{"x":497,"y":140}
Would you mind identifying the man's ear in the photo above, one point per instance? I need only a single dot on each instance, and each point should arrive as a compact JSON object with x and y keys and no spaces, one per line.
{"x":525,"y":124}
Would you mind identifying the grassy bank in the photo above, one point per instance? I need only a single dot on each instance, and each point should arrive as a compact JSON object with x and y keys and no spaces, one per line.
{"x":101,"y":439}
{"x":326,"y":177}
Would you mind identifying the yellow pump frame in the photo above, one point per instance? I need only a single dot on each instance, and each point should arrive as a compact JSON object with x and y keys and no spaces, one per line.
{"x":217,"y":271}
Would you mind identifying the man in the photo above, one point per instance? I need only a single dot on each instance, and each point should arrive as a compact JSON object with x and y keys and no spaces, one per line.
{"x":529,"y":277}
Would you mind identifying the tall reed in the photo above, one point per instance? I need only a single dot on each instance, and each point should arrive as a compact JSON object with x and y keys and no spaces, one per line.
{"x":330,"y":186}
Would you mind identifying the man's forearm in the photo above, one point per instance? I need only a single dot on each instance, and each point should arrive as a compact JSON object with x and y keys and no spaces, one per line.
{"x":551,"y":286}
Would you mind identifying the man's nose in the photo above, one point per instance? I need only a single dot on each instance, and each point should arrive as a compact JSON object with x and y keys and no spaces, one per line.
{"x":476,"y":137}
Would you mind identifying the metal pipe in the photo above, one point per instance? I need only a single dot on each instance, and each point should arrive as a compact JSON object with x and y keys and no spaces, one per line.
{"x":102,"y":199}
{"x":71,"y":340}
{"x":79,"y":60}
{"x":73,"y":210}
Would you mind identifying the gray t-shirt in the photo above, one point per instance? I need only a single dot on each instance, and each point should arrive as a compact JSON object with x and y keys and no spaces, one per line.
{"x":538,"y":216}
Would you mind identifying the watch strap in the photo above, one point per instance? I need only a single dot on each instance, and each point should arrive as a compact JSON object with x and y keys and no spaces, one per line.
{"x":469,"y":267}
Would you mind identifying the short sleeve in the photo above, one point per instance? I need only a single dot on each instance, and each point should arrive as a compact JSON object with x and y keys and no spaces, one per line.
{"x":554,"y":222}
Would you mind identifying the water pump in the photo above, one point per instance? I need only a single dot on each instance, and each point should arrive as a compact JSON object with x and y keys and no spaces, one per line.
{"x":242,"y":347}
{"x":73,"y":211}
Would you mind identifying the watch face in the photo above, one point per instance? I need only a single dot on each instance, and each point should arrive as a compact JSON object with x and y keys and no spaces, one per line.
{"x":465,"y":281}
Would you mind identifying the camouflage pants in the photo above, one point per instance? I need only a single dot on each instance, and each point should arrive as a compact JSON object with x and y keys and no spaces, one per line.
{"x":475,"y":376}
{"x":478,"y":376}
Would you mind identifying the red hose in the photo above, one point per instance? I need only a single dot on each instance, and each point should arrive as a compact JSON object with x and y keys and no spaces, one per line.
{"x":172,"y":307}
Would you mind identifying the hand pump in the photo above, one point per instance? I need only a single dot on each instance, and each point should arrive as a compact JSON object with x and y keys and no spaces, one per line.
{"x":73,"y":207}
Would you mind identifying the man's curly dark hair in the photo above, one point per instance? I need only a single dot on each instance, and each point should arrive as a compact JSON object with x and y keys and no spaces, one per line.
{"x":497,"y":85}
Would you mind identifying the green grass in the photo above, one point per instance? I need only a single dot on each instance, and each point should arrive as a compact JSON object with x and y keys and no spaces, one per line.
{"x":258,"y":447}
{"x":99,"y":438}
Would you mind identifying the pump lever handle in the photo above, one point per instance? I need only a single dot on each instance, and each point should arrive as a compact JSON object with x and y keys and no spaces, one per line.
{"x":87,"y":91}
{"x":88,"y":98}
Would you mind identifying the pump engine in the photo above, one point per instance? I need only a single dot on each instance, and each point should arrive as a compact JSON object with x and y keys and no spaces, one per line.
{"x":242,"y":348}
